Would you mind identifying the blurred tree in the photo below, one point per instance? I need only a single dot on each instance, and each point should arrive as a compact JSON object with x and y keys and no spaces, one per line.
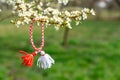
{"x":118,"y":2}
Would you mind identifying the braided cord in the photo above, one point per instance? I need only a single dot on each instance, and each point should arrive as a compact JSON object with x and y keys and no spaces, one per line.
{"x":31,"y":37}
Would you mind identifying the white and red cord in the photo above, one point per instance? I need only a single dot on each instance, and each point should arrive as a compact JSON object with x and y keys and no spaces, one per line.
{"x":31,"y":37}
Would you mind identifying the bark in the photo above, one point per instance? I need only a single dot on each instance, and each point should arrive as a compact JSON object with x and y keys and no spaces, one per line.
{"x":65,"y":37}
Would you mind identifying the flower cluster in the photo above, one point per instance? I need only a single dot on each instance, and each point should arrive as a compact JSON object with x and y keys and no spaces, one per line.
{"x":64,"y":18}
{"x":25,"y":12}
{"x":47,"y":15}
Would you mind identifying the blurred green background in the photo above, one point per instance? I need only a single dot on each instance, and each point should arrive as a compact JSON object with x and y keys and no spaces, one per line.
{"x":92,"y":53}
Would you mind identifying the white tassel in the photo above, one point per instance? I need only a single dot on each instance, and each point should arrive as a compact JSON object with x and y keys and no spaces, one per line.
{"x":45,"y":61}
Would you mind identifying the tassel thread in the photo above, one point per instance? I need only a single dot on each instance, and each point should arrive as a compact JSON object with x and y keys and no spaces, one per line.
{"x":45,"y":61}
{"x":28,"y":59}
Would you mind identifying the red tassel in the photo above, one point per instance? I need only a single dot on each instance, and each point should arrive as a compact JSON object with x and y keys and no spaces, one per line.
{"x":28,"y":59}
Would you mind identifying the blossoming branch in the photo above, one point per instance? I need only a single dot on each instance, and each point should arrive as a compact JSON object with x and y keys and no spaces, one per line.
{"x":48,"y":15}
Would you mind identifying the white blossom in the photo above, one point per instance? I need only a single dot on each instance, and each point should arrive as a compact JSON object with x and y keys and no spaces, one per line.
{"x":57,"y":27}
{"x":18,"y":23}
{"x":67,"y":13}
{"x":84,"y":15}
{"x":27,"y":20}
{"x":19,"y":1}
{"x":63,"y":1}
{"x":48,"y":15}
{"x":92,"y":12}
{"x":86,"y":10}
{"x":23,"y":7}
{"x":55,"y":12}
{"x":39,"y":7}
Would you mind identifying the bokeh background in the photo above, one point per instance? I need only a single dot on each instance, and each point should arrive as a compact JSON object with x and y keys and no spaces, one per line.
{"x":89,"y":51}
